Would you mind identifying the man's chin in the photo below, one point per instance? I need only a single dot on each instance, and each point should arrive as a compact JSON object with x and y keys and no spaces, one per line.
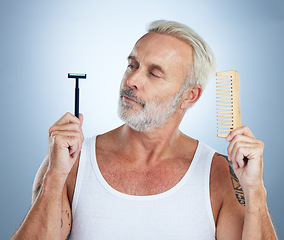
{"x":138,"y":128}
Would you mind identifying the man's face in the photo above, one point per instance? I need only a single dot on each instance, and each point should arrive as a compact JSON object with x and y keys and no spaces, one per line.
{"x":151,"y":87}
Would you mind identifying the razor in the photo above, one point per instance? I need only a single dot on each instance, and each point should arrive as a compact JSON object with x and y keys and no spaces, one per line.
{"x":77,"y":76}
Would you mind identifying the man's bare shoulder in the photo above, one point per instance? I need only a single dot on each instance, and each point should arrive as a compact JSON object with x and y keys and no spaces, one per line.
{"x":227,"y":197}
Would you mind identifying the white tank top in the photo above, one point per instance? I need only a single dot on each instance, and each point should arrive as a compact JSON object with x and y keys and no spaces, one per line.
{"x":102,"y":213}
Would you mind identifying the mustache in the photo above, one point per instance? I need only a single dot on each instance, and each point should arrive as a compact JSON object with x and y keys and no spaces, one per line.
{"x":129,"y":92}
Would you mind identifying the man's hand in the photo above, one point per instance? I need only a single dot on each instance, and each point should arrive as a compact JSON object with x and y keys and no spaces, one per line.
{"x":44,"y":219}
{"x":65,"y":143}
{"x":246,"y":154}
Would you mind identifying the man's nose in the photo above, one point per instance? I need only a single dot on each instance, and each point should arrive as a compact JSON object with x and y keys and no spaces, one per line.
{"x":136,"y":80}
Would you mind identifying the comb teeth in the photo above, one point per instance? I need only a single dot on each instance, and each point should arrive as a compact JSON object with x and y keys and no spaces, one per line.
{"x":228,"y":102}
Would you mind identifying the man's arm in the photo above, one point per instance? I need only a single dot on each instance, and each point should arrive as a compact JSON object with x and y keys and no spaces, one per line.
{"x":258,"y":223}
{"x":50,"y":214}
{"x":43,"y":220}
{"x":227,"y":190}
{"x":252,"y":219}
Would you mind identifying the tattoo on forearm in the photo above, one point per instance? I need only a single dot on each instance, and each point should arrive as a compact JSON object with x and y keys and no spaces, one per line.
{"x":67,"y":213}
{"x":67,"y":217}
{"x":236,"y":184}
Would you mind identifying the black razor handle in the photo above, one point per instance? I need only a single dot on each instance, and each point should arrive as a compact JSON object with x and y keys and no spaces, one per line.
{"x":77,"y":98}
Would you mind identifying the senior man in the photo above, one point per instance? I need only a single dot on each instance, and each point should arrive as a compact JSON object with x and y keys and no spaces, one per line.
{"x":146,"y":179}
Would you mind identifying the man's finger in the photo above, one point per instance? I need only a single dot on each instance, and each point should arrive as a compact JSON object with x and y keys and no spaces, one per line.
{"x":244,"y":130}
{"x":239,"y":139}
{"x":71,"y":127}
{"x":68,"y":118}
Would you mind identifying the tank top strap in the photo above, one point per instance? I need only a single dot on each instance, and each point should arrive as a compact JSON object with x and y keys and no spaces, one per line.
{"x":84,"y":163}
{"x":203,"y":169}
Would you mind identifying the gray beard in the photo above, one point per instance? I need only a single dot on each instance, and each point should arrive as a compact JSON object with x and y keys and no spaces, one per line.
{"x":153,"y":114}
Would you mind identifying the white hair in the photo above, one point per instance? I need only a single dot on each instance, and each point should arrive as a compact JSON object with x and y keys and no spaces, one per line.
{"x":203,"y":58}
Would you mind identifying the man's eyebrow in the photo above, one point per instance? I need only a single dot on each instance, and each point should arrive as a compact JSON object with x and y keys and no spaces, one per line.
{"x":131,"y":57}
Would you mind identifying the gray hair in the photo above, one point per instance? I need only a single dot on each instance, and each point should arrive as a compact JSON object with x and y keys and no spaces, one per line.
{"x":204,"y":63}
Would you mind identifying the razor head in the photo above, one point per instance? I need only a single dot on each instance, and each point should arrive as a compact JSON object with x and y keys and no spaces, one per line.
{"x":77,"y":75}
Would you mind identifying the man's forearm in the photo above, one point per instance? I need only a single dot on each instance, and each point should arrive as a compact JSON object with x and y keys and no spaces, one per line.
{"x":257,"y":223}
{"x":43,"y":220}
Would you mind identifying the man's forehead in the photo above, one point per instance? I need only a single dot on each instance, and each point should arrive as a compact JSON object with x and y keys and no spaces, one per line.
{"x":163,"y":46}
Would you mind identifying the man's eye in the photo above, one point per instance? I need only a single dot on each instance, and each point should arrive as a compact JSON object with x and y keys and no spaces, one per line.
{"x":131,"y":66}
{"x":154,"y":75}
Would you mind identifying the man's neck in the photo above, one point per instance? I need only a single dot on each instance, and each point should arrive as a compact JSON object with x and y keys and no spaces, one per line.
{"x":149,"y":147}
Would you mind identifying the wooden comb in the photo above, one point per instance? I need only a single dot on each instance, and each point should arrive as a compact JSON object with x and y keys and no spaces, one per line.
{"x":228,"y":102}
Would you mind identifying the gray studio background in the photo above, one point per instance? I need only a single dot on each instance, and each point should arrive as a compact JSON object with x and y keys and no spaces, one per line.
{"x":41,"y":41}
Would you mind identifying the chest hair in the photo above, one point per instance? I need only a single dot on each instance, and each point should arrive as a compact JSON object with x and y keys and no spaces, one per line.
{"x":126,"y":177}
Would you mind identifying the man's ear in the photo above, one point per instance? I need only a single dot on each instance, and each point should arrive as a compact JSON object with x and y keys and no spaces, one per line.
{"x":191,"y":96}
